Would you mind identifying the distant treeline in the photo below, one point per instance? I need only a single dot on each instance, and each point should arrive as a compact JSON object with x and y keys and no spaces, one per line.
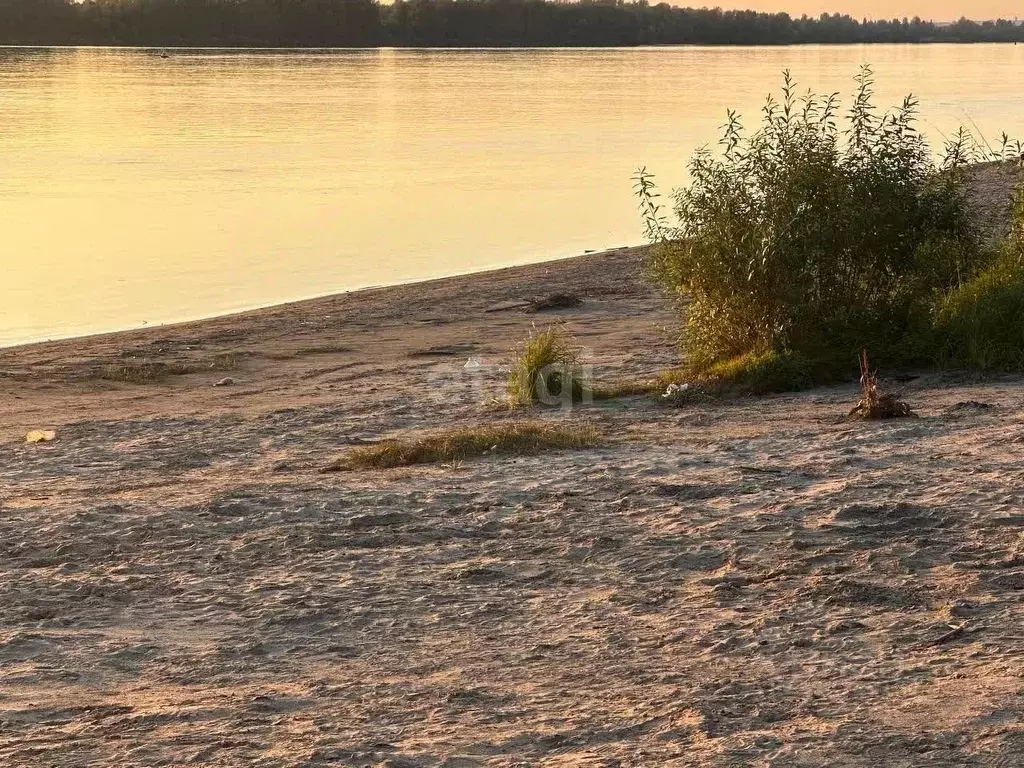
{"x":365,"y":23}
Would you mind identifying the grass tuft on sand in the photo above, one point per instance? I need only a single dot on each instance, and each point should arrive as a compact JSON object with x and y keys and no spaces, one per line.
{"x":629,"y":388}
{"x":143,"y":372}
{"x":527,"y":438}
{"x":544,"y":366}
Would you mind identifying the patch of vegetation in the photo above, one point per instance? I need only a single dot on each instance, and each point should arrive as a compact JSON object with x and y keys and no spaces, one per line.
{"x":629,"y":388}
{"x":821,"y":235}
{"x":466,"y":23}
{"x":222,"y":361}
{"x":144,"y":372}
{"x":764,"y":373}
{"x":980,"y":324}
{"x":547,"y":370}
{"x":506,"y":439}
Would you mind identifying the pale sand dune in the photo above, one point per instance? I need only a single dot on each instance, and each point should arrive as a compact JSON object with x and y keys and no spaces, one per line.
{"x":747,"y":583}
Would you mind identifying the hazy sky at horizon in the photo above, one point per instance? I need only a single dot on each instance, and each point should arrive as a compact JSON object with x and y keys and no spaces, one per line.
{"x":939,"y":10}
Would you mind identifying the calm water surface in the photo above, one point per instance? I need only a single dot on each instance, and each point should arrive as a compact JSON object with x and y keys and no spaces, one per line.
{"x":137,"y":189}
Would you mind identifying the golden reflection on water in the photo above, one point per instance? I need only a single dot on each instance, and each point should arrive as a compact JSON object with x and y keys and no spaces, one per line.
{"x":137,"y":189}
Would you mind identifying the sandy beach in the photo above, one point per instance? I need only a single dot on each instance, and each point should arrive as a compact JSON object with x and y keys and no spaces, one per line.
{"x":752,"y":582}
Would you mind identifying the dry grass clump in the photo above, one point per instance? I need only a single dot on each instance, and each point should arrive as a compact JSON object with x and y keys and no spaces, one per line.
{"x":547,"y":370}
{"x":143,"y":372}
{"x":748,"y":374}
{"x":664,"y":385}
{"x":628,"y":388}
{"x":508,"y":439}
{"x":137,"y":370}
{"x":875,"y":404}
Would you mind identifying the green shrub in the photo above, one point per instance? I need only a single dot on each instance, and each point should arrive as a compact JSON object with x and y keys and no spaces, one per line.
{"x":1016,"y":239}
{"x":764,"y":373}
{"x":980,"y":324}
{"x":547,"y":369}
{"x":813,"y":238}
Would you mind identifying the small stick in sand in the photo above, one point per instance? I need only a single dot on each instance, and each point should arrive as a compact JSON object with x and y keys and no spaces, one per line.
{"x":874,"y":404}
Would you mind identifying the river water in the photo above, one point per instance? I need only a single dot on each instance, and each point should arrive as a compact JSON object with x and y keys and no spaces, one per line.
{"x":140,"y":187}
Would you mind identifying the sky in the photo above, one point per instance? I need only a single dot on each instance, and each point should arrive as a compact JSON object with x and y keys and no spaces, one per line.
{"x":939,"y":10}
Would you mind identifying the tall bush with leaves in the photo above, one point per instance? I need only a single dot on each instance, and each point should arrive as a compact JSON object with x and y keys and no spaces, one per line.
{"x":818,"y":234}
{"x":980,"y":324}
